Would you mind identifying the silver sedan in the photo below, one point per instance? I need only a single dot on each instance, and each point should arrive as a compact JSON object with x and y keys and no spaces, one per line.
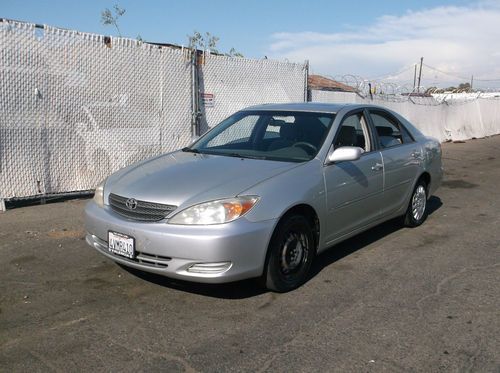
{"x":264,"y":192}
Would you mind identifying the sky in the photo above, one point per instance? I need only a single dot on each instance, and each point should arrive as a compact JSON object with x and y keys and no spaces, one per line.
{"x":370,"y":39}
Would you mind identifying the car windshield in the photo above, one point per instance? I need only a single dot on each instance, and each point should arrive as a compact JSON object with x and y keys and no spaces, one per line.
{"x":273,"y":135}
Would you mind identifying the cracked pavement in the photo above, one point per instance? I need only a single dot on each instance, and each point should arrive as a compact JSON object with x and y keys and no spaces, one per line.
{"x":391,"y":299}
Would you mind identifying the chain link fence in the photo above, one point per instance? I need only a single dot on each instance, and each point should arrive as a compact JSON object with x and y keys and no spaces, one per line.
{"x":229,"y":84}
{"x":75,"y":107}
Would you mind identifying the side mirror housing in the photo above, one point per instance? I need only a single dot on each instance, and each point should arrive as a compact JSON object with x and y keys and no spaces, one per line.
{"x":345,"y":153}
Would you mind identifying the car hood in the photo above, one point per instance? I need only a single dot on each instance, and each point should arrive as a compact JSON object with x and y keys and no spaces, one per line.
{"x":183,"y":178}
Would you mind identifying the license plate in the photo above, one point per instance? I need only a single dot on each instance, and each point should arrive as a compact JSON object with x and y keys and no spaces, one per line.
{"x":121,"y":244}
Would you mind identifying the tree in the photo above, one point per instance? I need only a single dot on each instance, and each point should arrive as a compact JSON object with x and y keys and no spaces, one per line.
{"x":464,"y":87}
{"x":208,"y":42}
{"x":203,"y":42}
{"x":110,"y":18}
{"x":234,"y":53}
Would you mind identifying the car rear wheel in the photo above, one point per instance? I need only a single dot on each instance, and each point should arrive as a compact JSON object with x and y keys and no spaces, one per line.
{"x":290,"y":254}
{"x":417,"y":208}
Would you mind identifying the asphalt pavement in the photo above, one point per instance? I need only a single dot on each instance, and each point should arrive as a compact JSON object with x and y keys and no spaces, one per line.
{"x":391,"y":299}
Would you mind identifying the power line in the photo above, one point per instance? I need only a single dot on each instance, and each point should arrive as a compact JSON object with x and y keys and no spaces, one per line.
{"x":460,"y":77}
{"x":399,"y":72}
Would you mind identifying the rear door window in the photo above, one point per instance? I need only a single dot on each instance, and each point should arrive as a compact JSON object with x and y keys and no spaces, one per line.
{"x":390,"y":132}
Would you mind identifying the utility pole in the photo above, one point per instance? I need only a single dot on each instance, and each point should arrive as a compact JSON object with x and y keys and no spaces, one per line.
{"x":420,"y":73}
{"x":414,"y":77}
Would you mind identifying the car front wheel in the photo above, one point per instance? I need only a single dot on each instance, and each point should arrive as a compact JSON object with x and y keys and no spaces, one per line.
{"x":290,"y":254}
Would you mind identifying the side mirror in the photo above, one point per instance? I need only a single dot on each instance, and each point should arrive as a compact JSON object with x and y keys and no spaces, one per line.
{"x":345,"y":153}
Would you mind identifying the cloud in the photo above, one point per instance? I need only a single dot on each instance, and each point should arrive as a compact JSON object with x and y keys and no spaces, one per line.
{"x":461,"y":40}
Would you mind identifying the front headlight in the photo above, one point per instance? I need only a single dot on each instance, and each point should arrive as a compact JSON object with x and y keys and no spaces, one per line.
{"x":99,"y":194}
{"x":215,"y":212}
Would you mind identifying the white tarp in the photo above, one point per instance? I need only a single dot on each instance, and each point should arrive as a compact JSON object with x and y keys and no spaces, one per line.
{"x":453,"y":121}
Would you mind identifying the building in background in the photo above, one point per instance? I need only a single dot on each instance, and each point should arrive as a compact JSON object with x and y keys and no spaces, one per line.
{"x":319,"y":87}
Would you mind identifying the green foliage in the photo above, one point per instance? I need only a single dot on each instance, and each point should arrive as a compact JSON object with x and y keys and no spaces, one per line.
{"x":462,"y":87}
{"x":465,"y":87}
{"x":110,"y":17}
{"x":234,"y":53}
{"x":208,"y":42}
{"x":203,"y":42}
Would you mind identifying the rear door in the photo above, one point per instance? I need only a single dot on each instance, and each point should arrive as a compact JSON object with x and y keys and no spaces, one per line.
{"x":354,"y":189}
{"x":401,"y":155}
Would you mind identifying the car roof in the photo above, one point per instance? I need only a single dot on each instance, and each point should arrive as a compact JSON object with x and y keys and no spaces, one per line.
{"x":305,"y":106}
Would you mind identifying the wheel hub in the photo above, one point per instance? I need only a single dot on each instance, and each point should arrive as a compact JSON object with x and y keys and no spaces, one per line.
{"x":418,"y":203}
{"x":293,"y":253}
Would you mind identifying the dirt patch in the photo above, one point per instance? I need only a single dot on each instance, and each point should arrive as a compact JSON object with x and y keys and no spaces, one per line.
{"x":432,"y":239}
{"x":138,"y":291}
{"x":104,"y":267}
{"x":23,"y":259}
{"x":271,"y":298}
{"x":458,"y":184}
{"x":65,"y":233}
{"x":97,"y":283}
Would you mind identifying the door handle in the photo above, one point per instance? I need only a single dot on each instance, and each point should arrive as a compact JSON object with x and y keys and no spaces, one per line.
{"x":377,"y":167}
{"x":416,"y":154}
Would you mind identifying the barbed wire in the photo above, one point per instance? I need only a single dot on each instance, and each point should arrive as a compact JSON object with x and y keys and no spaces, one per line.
{"x":395,"y":90}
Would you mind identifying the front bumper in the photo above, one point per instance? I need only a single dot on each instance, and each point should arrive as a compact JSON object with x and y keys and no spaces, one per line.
{"x":218,"y":253}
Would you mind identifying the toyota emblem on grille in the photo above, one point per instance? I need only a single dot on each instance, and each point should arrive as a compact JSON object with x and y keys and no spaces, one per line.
{"x":131,"y":203}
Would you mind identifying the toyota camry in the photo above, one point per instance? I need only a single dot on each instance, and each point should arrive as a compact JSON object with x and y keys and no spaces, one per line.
{"x":264,"y":192}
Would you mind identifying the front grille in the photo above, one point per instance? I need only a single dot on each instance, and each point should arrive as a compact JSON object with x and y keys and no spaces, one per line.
{"x":143,"y":211}
{"x":152,"y":260}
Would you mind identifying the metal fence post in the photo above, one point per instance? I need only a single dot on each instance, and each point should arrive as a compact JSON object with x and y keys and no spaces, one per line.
{"x":195,"y":94}
{"x":306,"y":82}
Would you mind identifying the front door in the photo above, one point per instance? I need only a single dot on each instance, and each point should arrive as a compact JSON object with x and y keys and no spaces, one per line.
{"x":354,"y":188}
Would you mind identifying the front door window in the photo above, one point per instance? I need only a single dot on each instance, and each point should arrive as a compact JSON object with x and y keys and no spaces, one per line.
{"x":353,"y":132}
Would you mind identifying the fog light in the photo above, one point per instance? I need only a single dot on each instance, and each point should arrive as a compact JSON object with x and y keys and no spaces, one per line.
{"x":210,"y":268}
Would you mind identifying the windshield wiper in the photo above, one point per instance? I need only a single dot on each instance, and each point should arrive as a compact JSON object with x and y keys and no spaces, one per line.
{"x":238,"y":155}
{"x":190,"y":150}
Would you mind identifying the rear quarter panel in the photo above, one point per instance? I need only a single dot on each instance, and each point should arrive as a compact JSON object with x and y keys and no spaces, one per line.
{"x":431,"y":149}
{"x":432,"y":162}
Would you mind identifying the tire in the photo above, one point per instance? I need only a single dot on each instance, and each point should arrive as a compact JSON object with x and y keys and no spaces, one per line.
{"x":290,"y":254}
{"x":417,"y":207}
